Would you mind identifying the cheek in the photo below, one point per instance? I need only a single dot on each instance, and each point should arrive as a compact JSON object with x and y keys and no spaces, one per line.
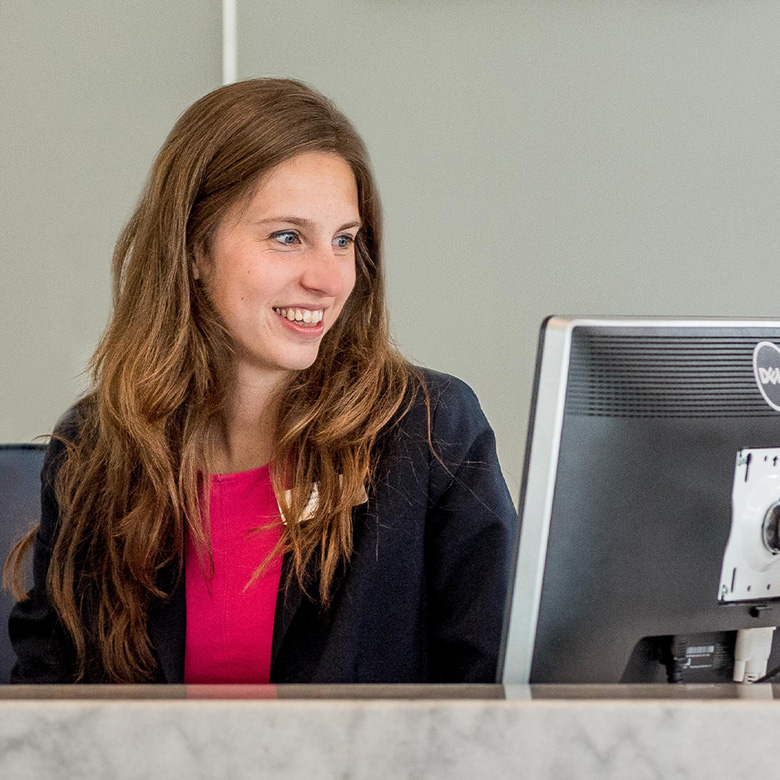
{"x":246,"y":284}
{"x":222,"y":293}
{"x":232,"y":298}
{"x":350,"y":277}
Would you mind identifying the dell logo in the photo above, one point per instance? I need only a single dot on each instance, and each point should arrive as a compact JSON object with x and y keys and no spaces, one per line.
{"x":769,"y":375}
{"x":766,"y":368}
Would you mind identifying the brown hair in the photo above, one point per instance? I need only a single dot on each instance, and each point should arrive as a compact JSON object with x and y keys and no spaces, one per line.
{"x":128,"y":487}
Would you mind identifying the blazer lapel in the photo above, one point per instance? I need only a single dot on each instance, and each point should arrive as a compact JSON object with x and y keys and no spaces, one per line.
{"x":287,"y":603}
{"x":167,"y":626}
{"x":289,"y":599}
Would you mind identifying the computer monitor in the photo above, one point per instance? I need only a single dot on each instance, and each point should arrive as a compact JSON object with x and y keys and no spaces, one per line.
{"x":650,"y":504}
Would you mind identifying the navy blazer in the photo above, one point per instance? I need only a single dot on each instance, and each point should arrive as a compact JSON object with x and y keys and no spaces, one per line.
{"x":421,"y":600}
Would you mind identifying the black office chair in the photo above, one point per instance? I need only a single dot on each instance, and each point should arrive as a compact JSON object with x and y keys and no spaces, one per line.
{"x":20,"y":508}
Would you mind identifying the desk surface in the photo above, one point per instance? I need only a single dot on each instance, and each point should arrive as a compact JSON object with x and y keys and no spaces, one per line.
{"x":447,"y":732}
{"x":432,"y":693}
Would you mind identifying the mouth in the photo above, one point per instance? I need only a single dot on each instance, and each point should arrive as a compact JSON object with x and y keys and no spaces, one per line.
{"x":309,"y":319}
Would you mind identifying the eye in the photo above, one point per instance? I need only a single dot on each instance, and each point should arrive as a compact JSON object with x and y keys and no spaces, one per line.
{"x":344,"y":241}
{"x":285,"y":237}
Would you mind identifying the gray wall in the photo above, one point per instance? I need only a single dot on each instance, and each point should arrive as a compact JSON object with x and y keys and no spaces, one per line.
{"x":88,"y":92}
{"x":615,"y":157}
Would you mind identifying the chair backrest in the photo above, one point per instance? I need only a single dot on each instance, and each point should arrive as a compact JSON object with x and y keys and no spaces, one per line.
{"x":20,"y":509}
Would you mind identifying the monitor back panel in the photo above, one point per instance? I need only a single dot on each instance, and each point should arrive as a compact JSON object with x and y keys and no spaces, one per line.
{"x":633,"y":540}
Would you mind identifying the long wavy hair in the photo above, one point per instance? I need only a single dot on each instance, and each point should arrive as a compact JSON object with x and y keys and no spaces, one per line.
{"x":130,"y":485}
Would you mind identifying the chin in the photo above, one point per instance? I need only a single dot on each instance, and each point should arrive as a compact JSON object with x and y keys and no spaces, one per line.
{"x":275,"y":362}
{"x":299,"y":362}
{"x":299,"y":366}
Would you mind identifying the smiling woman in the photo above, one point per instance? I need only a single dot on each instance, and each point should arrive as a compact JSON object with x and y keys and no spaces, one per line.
{"x":302,"y":264}
{"x":258,"y":485}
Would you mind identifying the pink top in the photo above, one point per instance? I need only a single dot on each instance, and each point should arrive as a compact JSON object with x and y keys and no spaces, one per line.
{"x":229,"y":630}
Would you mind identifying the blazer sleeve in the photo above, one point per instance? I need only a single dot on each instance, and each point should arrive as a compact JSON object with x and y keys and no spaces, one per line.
{"x":43,"y":649}
{"x":470,"y":534}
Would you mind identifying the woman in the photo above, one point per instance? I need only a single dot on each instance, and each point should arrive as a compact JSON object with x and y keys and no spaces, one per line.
{"x":259,"y":487}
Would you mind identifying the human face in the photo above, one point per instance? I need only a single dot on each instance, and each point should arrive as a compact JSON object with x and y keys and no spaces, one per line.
{"x":280,"y":269}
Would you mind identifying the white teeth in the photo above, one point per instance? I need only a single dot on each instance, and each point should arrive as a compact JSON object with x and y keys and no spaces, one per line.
{"x":309,"y":317}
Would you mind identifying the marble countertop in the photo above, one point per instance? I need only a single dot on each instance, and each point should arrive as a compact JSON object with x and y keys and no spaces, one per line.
{"x":447,"y":732}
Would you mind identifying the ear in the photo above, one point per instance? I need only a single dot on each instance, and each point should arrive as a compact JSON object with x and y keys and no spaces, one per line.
{"x":198,"y":260}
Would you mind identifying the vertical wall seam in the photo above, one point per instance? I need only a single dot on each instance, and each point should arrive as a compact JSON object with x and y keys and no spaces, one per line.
{"x":229,"y":42}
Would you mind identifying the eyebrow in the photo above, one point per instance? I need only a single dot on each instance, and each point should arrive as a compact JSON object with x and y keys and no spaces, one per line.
{"x":305,"y":223}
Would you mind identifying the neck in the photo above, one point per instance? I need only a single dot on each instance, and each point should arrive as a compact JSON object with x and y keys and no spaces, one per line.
{"x":248,"y":430}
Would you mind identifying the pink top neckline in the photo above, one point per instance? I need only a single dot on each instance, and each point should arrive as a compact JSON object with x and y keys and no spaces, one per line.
{"x":238,"y":475}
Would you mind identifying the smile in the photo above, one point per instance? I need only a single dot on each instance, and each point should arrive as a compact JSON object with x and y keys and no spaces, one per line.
{"x":305,"y":317}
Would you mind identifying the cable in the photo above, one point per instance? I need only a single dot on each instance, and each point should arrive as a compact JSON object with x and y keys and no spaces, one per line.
{"x":769,"y":675}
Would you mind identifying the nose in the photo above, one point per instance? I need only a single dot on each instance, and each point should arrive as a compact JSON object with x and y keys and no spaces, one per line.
{"x":324,"y":272}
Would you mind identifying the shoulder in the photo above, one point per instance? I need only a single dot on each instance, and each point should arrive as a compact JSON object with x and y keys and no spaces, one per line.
{"x":446,"y":387}
{"x":439,"y":399}
{"x":72,"y":421}
{"x":454,"y":408}
{"x":440,"y":424}
{"x":67,"y":431}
